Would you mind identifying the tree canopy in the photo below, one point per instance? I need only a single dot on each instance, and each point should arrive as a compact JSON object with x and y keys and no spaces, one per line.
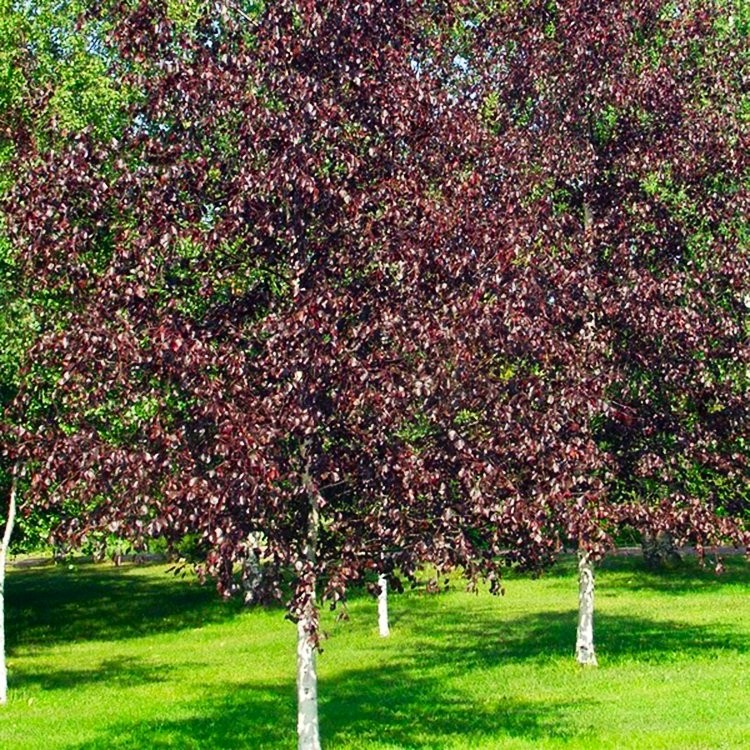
{"x":470,"y":278}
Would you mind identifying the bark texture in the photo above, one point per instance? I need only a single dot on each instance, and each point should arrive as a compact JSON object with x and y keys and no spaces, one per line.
{"x":308,"y":730}
{"x":252,"y":572}
{"x":383,"y":607}
{"x":585,"y":654}
{"x":659,"y":549}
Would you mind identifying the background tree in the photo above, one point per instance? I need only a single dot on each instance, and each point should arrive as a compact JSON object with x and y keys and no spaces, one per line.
{"x":628,"y":211}
{"x":56,"y":81}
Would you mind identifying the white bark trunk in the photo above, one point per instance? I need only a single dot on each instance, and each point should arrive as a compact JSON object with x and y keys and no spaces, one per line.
{"x":308,"y":731}
{"x":585,"y":654}
{"x":383,"y":607}
{"x":10,"y":521}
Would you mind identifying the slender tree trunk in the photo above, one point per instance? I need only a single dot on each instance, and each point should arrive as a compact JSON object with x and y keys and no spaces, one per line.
{"x":659,"y":549}
{"x":251,"y":578}
{"x":383,"y":606}
{"x":308,"y":729}
{"x":585,"y":654}
{"x":252,"y":575}
{"x":10,"y":521}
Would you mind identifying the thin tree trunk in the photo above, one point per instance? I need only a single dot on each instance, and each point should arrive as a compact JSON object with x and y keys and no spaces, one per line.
{"x":659,"y":549}
{"x":10,"y":522}
{"x":383,"y":606}
{"x":585,"y":654}
{"x":251,"y":578}
{"x":308,"y":729}
{"x":252,"y":574}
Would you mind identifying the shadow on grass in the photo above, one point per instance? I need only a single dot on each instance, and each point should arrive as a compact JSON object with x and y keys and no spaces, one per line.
{"x":390,"y":707}
{"x":480,"y":642}
{"x":408,"y":702}
{"x":685,"y":576}
{"x":631,"y":572}
{"x":47,"y":606}
{"x":411,"y":701}
{"x":122,"y":672}
{"x":411,"y":706}
{"x":252,"y":716}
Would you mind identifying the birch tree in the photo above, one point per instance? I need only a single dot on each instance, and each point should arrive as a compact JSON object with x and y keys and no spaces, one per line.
{"x":258,"y":271}
{"x":618,"y":368}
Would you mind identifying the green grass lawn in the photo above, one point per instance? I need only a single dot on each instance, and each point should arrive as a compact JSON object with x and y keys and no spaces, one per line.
{"x":133,"y":659}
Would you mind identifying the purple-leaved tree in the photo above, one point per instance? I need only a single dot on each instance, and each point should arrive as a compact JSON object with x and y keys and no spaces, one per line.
{"x":260,"y":282}
{"x":632,"y":207}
